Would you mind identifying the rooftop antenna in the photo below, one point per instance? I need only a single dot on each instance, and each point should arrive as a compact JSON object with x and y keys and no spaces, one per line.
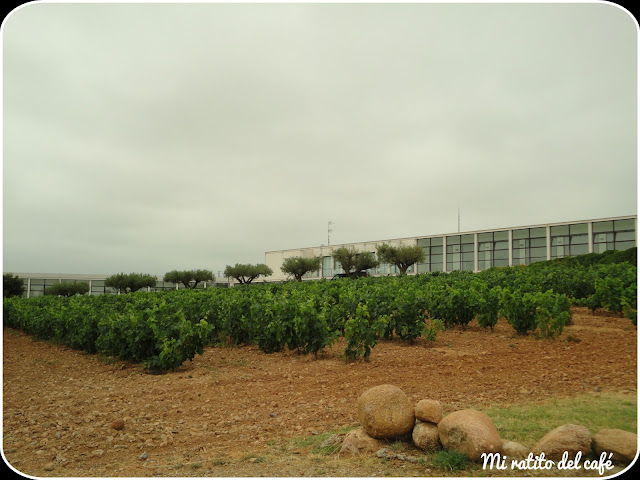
{"x":329,"y":230}
{"x":458,"y":219}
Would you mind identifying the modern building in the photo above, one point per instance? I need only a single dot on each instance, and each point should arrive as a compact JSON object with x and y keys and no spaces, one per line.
{"x":35,"y":284}
{"x":482,"y":249}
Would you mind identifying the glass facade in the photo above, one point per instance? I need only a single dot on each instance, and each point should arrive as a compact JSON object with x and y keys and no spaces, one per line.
{"x":327,"y":271}
{"x":493,"y":249}
{"x":432,"y":248}
{"x":614,"y":235}
{"x":460,"y":252}
{"x":569,"y":240}
{"x":529,"y":245}
{"x":36,"y":287}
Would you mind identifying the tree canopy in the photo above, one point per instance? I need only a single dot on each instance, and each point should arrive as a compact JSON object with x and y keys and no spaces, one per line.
{"x":247,"y":273}
{"x":402,"y":257}
{"x":12,"y":285}
{"x":353,"y":262}
{"x":67,"y":289}
{"x":298,"y":266}
{"x":189,"y":278}
{"x":130,"y":282}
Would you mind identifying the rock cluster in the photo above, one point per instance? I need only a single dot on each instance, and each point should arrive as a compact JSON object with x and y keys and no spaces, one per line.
{"x":386,"y":413}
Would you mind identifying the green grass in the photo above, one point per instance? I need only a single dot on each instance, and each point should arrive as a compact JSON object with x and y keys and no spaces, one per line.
{"x":315,"y":442}
{"x":450,"y":460}
{"x":528,"y":423}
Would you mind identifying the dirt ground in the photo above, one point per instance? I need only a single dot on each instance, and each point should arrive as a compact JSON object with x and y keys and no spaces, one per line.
{"x":228,"y":411}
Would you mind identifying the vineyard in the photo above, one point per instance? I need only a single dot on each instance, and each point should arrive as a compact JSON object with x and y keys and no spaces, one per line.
{"x":163,"y":330}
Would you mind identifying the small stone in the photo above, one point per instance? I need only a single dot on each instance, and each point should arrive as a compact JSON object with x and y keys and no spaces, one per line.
{"x":97,"y":453}
{"x":118,"y":424}
{"x":143,"y":456}
{"x":49,"y":466}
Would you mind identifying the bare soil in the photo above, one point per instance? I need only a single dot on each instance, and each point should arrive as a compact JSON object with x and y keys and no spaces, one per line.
{"x":234,"y":410}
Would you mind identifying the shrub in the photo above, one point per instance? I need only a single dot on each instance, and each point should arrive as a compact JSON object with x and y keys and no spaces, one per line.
{"x":553,"y":312}
{"x":520,"y":310}
{"x":362,"y":333}
{"x":488,"y":306}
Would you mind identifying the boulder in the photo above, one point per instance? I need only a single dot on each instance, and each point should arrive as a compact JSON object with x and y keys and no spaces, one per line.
{"x":385,"y":412}
{"x":425,"y":436}
{"x":357,"y":442}
{"x":428,"y":411}
{"x":514,"y":449}
{"x":622,"y":444}
{"x":568,"y":438}
{"x":470,"y":432}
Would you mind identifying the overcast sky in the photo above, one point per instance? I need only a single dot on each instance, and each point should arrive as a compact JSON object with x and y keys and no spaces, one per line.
{"x":152,"y":137}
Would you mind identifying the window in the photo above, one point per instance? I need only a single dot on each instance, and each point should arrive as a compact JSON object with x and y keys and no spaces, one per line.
{"x":493,"y":249}
{"x":327,"y":271}
{"x":432,"y":248}
{"x":569,"y":240}
{"x":529,"y":245}
{"x":614,"y":235}
{"x":460,"y":255}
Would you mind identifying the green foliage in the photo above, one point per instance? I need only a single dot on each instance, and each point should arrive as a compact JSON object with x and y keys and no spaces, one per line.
{"x":67,"y":289}
{"x":520,"y":310}
{"x":189,"y":278}
{"x":247,"y":273}
{"x":454,"y":305}
{"x":431,"y":329}
{"x":402,"y":257}
{"x":298,"y":266}
{"x":450,"y":460}
{"x":553,"y":312}
{"x":12,"y":286}
{"x":362,"y":333}
{"x":488,"y":305}
{"x":630,"y":303}
{"x":130,"y":282}
{"x":353,"y":262}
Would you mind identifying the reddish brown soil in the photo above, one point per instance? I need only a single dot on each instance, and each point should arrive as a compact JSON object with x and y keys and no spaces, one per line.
{"x":219,"y":413}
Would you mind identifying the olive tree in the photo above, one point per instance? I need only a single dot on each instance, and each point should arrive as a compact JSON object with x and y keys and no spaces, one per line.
{"x":298,"y":266}
{"x":247,"y":273}
{"x":67,"y":289}
{"x":353,"y":262}
{"x":12,"y":285}
{"x":189,"y":278}
{"x":402,"y":257}
{"x":130,"y":282}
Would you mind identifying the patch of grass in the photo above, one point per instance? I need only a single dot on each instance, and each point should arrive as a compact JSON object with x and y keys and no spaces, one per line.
{"x":450,"y":460}
{"x":528,"y":423}
{"x":322,"y":443}
{"x":241,"y":362}
{"x":107,"y":359}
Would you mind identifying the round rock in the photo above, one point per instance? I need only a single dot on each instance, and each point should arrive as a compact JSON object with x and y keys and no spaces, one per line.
{"x":568,"y":438}
{"x":425,"y":436}
{"x":429,"y":411}
{"x":470,"y":432}
{"x":385,"y":411}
